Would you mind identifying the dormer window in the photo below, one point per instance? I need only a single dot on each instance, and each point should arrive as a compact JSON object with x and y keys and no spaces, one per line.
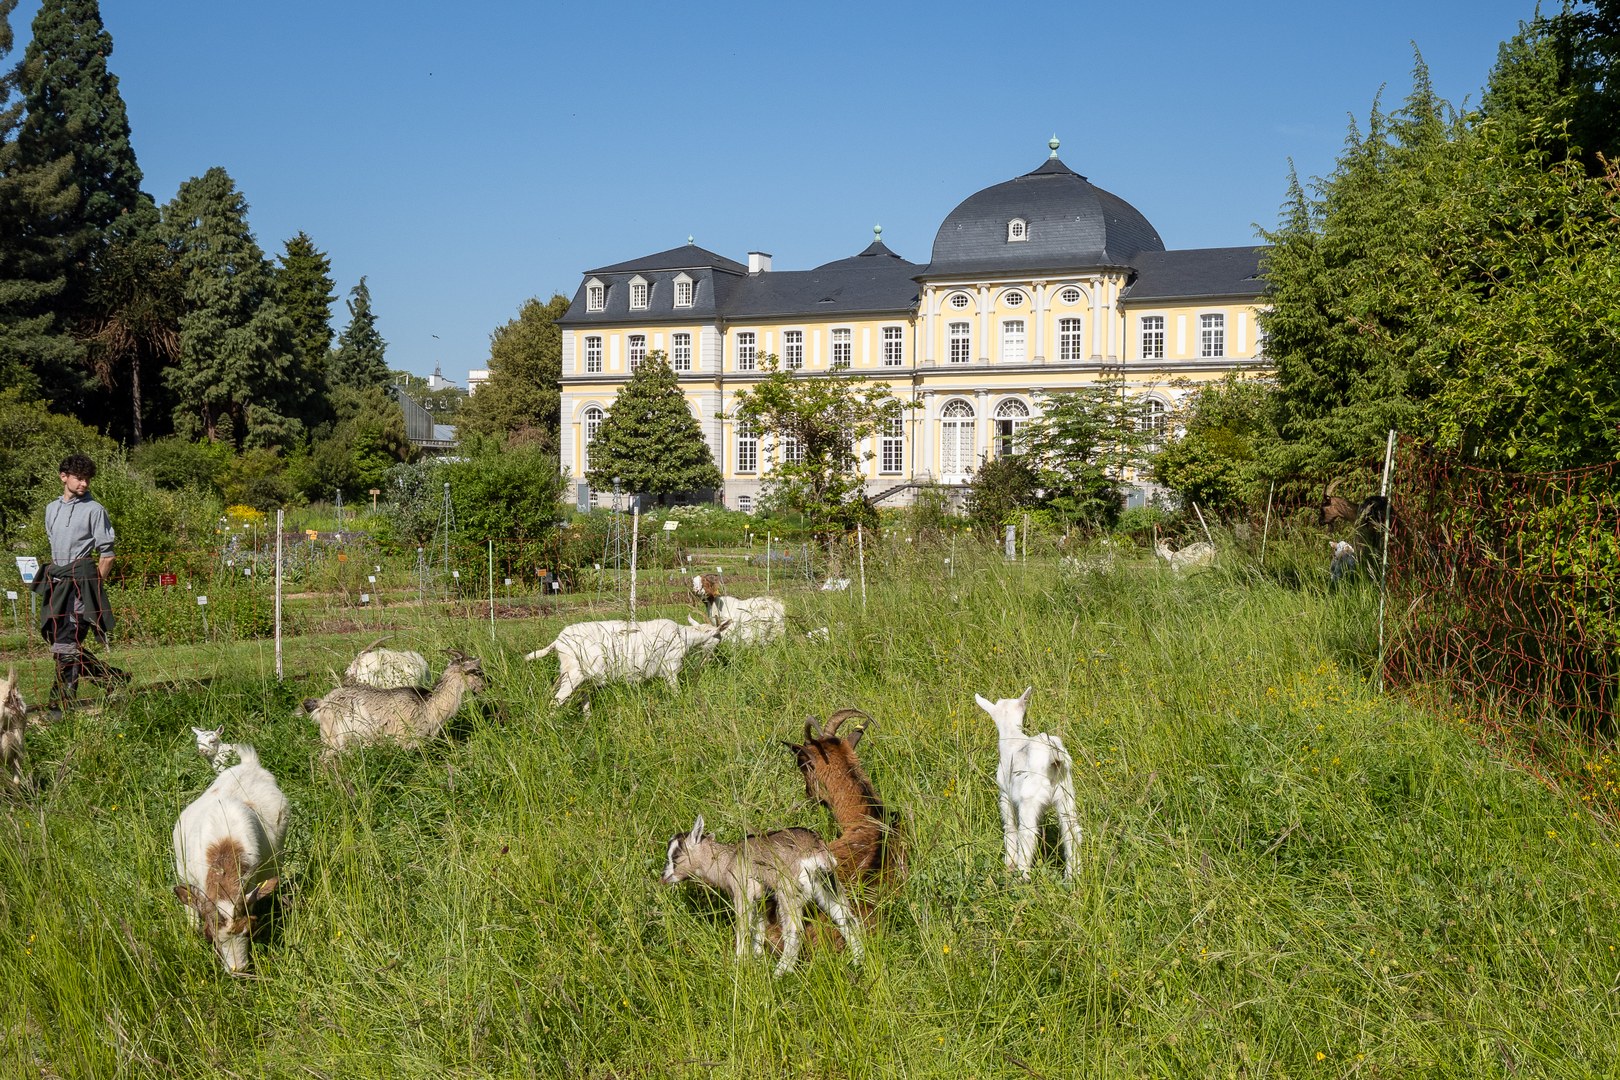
{"x":1017,"y":229}
{"x":683,"y":291}
{"x":638,"y":293}
{"x":595,"y":296}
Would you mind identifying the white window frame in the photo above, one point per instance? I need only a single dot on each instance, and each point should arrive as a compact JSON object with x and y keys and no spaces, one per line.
{"x":792,"y":450}
{"x":1152,"y":337}
{"x":1017,"y":231}
{"x":1011,"y":416}
{"x":747,"y":350}
{"x":745,"y":504}
{"x":590,"y":422}
{"x":1211,"y":335}
{"x":593,"y":354}
{"x":747,"y":441}
{"x":1013,"y":298}
{"x":1155,"y":421}
{"x":1071,"y":339}
{"x":894,"y":346}
{"x":635,"y":350}
{"x":843,"y":349}
{"x":640,"y":293}
{"x":892,"y":446}
{"x":958,"y":438}
{"x":793,"y":350}
{"x":959,"y":301}
{"x":1014,"y":341}
{"x":595,"y":295}
{"x":959,"y":338}
{"x":685,"y":291}
{"x":680,"y":352}
{"x":1069,"y":301}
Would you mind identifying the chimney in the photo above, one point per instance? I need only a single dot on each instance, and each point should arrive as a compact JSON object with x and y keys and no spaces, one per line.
{"x":759,"y":262}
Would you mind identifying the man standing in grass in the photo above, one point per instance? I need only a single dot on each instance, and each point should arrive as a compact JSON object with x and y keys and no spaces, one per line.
{"x":73,"y":596}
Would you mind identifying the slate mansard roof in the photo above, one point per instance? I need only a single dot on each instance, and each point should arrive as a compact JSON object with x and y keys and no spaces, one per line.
{"x":1230,"y":273}
{"x":1072,"y":225}
{"x":712,"y":278}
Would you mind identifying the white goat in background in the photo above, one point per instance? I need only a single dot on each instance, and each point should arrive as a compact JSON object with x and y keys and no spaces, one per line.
{"x":754,"y":621}
{"x":619,"y":650}
{"x":360,"y":715}
{"x":1035,"y":772}
{"x":794,"y":865}
{"x":1201,"y":553}
{"x":13,"y":722}
{"x":387,"y":669}
{"x":227,"y":845}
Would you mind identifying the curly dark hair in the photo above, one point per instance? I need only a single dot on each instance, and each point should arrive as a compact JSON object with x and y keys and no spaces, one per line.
{"x":78,"y":465}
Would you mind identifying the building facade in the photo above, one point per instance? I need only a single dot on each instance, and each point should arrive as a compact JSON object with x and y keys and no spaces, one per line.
{"x":1038,"y":285}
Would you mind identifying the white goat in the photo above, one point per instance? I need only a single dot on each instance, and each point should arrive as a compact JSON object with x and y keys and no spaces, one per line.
{"x":227,"y":845}
{"x":13,"y":721}
{"x":754,"y":621}
{"x":358,"y":715}
{"x":1035,"y":772}
{"x":387,"y":669}
{"x":835,"y":584}
{"x":1201,"y":553}
{"x":1343,"y":560}
{"x":612,"y":650}
{"x":214,"y":749}
{"x":794,"y":865}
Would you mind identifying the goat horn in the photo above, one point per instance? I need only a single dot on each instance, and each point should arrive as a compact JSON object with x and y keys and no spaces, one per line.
{"x":1333,"y":483}
{"x":374,"y":644}
{"x":812,"y":728}
{"x":840,"y":716}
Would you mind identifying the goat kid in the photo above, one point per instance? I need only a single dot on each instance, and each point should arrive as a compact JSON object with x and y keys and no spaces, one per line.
{"x":1201,"y":553}
{"x":360,"y":715}
{"x":791,"y":866}
{"x":13,"y":722}
{"x":214,"y":749}
{"x":754,"y":621}
{"x":387,"y":669}
{"x":1034,"y":773}
{"x":618,"y":650}
{"x":227,"y":846}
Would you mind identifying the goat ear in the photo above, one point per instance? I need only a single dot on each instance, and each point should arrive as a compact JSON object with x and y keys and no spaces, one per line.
{"x":262,"y":890}
{"x":723,"y":626}
{"x":696,"y":835}
{"x":855,"y":740}
{"x":987,"y":706}
{"x":190,"y":897}
{"x":1023,"y":699}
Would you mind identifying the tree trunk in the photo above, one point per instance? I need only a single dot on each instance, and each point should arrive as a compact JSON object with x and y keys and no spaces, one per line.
{"x":135,"y":399}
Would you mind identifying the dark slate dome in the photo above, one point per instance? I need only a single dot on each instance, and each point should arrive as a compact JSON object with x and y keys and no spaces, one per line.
{"x":1071,"y":225}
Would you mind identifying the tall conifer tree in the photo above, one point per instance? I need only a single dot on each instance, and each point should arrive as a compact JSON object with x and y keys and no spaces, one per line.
{"x":650,"y":439}
{"x":304,"y":287}
{"x":358,"y":359}
{"x":235,"y":343}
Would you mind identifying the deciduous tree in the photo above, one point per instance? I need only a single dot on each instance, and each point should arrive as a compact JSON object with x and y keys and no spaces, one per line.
{"x":525,"y":366}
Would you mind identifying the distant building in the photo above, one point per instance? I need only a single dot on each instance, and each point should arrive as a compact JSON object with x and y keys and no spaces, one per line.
{"x":437,"y":381}
{"x":475,"y":379}
{"x":1041,"y":284}
{"x":420,"y":429}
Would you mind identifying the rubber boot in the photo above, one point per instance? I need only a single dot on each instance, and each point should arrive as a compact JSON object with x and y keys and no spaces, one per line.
{"x":65,"y":690}
{"x":97,"y":670}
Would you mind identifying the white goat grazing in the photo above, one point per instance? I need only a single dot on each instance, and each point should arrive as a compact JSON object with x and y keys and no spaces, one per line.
{"x":835,"y":584}
{"x":1201,"y":553}
{"x":227,"y":844}
{"x":794,"y":865}
{"x":387,"y":669}
{"x":358,"y":715}
{"x":754,"y":621}
{"x":1035,"y":772}
{"x":13,"y":721}
{"x":1343,"y":560}
{"x":617,"y":650}
{"x":214,"y":750}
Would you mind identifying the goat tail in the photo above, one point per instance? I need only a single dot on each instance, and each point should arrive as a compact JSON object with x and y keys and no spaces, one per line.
{"x":538,"y":653}
{"x":246,"y":754}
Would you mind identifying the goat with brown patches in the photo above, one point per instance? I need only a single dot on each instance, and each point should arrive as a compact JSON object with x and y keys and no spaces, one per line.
{"x":227,"y":844}
{"x":13,"y":721}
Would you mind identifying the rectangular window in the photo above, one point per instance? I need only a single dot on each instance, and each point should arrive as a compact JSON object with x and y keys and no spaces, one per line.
{"x":745,"y":503}
{"x":1153,"y":337}
{"x":792,"y":449}
{"x":1012,"y":341}
{"x":961,"y":343}
{"x":747,"y":448}
{"x":793,"y":349}
{"x":892,"y":446}
{"x":638,"y":350}
{"x":638,"y":294}
{"x":680,"y":352}
{"x":593,"y":354}
{"x":843,"y":349}
{"x":894,"y":348}
{"x":747,"y":350}
{"x":593,"y":297}
{"x":683,"y":294}
{"x":1212,"y":335}
{"x":1071,"y":344}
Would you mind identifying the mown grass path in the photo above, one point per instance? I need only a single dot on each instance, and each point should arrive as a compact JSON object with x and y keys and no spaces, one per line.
{"x":1283,"y":874}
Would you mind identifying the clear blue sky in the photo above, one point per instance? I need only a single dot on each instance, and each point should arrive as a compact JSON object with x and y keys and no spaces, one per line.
{"x":464,"y":157}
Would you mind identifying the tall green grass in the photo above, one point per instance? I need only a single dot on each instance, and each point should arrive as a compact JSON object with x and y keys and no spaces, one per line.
{"x":1283,"y":874}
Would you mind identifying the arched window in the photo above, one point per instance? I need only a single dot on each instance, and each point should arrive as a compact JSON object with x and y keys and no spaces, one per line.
{"x":1155,"y":421}
{"x":1011,"y":416}
{"x":1071,"y":342}
{"x":591,"y":421}
{"x":1017,"y":229}
{"x":957,"y":448}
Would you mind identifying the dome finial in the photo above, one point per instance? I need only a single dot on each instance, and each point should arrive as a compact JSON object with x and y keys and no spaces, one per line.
{"x":689,"y":239}
{"x":877,"y":232}
{"x":1053,"y":143}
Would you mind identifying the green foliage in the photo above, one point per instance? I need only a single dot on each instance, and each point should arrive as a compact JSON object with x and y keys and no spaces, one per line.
{"x":358,"y":361}
{"x":304,"y":290}
{"x":1080,"y":447}
{"x":173,"y":463}
{"x":367,"y":441}
{"x":650,"y":439}
{"x":525,"y":364}
{"x":415,"y":501}
{"x":825,"y":419}
{"x":33,"y":442}
{"x":256,"y":478}
{"x":151,"y":520}
{"x":503,"y":493}
{"x":236,"y":344}
{"x":1001,"y":490}
{"x":1216,"y":462}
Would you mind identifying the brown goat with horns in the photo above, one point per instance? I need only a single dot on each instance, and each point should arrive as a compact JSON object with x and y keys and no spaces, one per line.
{"x":868,"y":848}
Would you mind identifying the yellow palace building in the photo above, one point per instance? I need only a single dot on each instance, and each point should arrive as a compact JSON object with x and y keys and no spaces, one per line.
{"x":1035,"y":286}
